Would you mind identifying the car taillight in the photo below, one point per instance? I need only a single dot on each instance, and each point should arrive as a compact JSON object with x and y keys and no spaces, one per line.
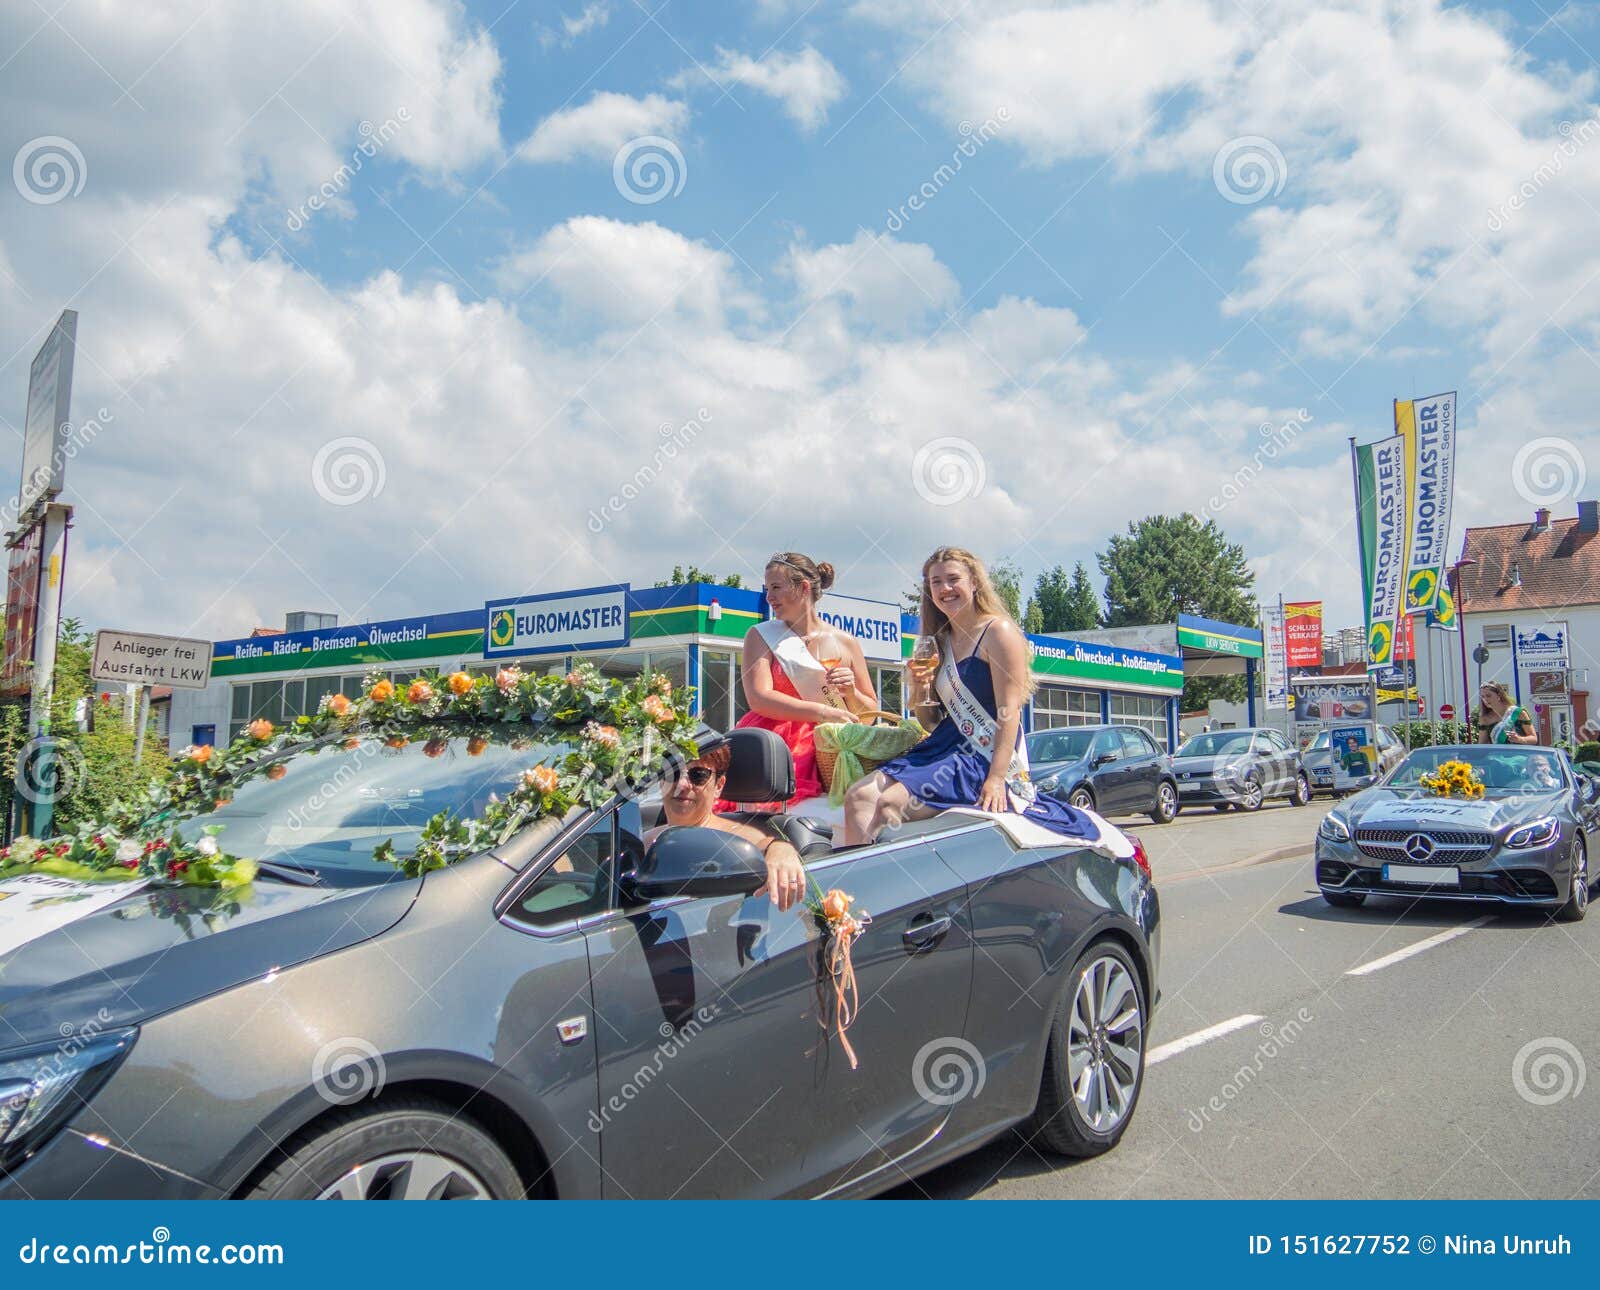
{"x":1141,"y":857}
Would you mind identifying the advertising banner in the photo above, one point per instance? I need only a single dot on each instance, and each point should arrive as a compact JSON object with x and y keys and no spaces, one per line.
{"x":875,"y":623}
{"x":1543,"y":648}
{"x":22,"y":612}
{"x":1405,"y":639}
{"x":1321,"y":701}
{"x":1381,"y":529}
{"x":1303,"y":633}
{"x":44,"y":433}
{"x":1355,"y":754}
{"x":1429,"y":428}
{"x":1276,"y":681}
{"x":589,"y":618}
{"x":1442,"y":617}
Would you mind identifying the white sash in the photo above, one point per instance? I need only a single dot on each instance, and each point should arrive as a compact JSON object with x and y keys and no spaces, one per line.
{"x":802,"y":669}
{"x":978,"y":728}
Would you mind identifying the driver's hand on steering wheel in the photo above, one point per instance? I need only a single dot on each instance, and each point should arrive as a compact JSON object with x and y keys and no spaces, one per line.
{"x":786,"y":876}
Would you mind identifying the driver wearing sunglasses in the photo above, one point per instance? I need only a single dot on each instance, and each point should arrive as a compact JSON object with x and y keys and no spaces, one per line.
{"x":687,"y":795}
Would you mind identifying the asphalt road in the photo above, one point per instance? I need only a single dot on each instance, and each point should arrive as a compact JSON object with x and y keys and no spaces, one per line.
{"x":1347,"y":1074}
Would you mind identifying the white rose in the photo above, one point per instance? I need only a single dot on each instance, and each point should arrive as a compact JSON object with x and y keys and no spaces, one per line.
{"x":207,"y":846}
{"x":127,"y":850}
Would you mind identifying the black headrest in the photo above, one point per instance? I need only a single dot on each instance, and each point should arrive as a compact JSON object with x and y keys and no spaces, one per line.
{"x":761,"y":768}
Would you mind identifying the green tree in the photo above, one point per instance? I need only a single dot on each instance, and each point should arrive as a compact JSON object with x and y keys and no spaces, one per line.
{"x":1033,"y":618}
{"x":694,"y":573}
{"x":1166,"y":565}
{"x":1007,"y":580}
{"x":1050,"y":595}
{"x":1082,"y":612}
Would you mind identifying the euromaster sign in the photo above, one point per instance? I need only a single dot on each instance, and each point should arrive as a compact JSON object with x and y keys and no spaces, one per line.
{"x":1380,"y":470}
{"x":590,"y":618}
{"x":1428,"y":427}
{"x":875,"y":623}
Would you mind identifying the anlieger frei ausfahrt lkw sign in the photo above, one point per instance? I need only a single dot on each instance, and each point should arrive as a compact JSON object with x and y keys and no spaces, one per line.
{"x":151,"y":660}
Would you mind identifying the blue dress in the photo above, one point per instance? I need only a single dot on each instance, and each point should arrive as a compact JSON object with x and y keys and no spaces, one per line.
{"x":944,"y":770}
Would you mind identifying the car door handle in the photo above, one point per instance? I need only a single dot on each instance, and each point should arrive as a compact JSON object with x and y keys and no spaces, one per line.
{"x":927,"y":932}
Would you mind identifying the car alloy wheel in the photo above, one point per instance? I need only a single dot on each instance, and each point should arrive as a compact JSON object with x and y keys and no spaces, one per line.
{"x":1302,"y":791}
{"x":1105,"y":1042}
{"x":1578,"y":900}
{"x":1166,"y":808}
{"x":1083,"y":799}
{"x":1252,"y":794}
{"x":410,"y":1175}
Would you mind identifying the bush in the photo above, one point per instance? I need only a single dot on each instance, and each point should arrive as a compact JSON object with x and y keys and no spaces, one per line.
{"x":1587,"y":751}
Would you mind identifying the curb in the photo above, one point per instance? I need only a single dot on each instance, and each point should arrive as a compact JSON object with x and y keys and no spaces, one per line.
{"x":1264,"y":857}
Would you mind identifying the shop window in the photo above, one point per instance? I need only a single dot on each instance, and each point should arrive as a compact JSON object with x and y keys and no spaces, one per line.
{"x":889,"y":681}
{"x":1497,"y":636}
{"x":1055,"y":706}
{"x":717,"y":683}
{"x":1146,"y":712}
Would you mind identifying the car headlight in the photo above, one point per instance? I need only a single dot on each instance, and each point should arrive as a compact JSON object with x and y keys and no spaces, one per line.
{"x":42,"y":1088}
{"x":1539,"y":833}
{"x":1050,"y":783}
{"x":1333,"y":829}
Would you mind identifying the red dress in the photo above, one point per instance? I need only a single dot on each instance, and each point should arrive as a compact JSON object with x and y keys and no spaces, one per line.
{"x":797,"y":734}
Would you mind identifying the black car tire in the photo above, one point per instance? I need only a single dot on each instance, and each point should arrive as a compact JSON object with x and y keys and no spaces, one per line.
{"x":1302,"y":791}
{"x":1578,"y":903}
{"x":1255,"y":795}
{"x":1222,"y":808}
{"x":1166,"y":808}
{"x":1057,"y":1124}
{"x":1082,"y":798}
{"x":1345,"y":899}
{"x":316,"y":1160}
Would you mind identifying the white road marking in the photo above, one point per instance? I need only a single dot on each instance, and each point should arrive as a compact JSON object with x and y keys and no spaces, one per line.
{"x":1161,"y":1052}
{"x":1389,"y":960}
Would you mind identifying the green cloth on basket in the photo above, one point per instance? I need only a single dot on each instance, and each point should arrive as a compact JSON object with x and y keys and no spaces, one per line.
{"x":852,"y":741}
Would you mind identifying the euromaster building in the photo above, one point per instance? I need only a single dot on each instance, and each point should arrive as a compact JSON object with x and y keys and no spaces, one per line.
{"x":694,"y":634}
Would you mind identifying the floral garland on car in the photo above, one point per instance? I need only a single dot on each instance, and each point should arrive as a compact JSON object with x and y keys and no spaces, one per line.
{"x":1454,"y":778}
{"x":622,"y":730}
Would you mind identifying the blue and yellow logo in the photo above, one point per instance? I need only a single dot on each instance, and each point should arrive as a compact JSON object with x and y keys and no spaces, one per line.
{"x":1421,"y":588}
{"x":1443,"y":613}
{"x":502,"y":628}
{"x":1380,"y":640}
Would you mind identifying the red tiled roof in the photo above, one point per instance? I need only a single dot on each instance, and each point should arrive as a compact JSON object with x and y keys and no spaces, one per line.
{"x":1557,"y":567}
{"x":266,"y":631}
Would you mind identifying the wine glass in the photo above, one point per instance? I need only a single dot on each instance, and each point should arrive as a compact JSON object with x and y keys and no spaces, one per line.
{"x":924,"y":662}
{"x":830,"y":653}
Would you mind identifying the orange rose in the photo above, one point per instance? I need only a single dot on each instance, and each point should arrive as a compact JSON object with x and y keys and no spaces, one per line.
{"x":835,"y":904}
{"x":434,"y":747}
{"x":396,"y":741}
{"x":338,"y":704}
{"x":476,"y":745}
{"x":419,"y":692}
{"x":574,"y":679}
{"x":543,"y":778}
{"x":352,"y":744}
{"x":224,"y":801}
{"x":277,"y":772}
{"x":260,"y":728}
{"x":382,"y":692}
{"x":460,"y":683}
{"x":200,"y":755}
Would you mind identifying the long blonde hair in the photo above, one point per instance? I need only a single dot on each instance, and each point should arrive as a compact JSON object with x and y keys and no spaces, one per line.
{"x":933,"y":621}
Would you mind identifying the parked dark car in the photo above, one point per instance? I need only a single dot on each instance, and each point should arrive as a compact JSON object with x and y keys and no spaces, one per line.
{"x":1115,"y":770}
{"x":1526,"y":841}
{"x":1240,"y":768}
{"x":572,"y":1013}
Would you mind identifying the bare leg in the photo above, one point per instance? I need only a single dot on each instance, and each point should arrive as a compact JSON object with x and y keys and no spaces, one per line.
{"x":874,"y":803}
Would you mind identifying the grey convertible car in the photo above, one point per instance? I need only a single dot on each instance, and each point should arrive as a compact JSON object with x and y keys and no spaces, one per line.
{"x":1526,"y":841}
{"x":571,"y":1014}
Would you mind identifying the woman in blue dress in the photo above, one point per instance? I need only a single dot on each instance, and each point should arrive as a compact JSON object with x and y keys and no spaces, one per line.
{"x":982,"y":681}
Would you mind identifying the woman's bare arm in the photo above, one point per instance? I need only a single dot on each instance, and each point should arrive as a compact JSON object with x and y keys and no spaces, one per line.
{"x":1007,"y":655}
{"x":763,"y":697}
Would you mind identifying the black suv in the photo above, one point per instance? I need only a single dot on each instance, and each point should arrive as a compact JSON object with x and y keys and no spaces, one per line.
{"x":1115,"y":770}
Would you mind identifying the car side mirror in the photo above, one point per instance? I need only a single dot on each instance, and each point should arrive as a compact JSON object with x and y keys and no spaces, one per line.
{"x":1589,"y":788}
{"x":698,"y":862}
{"x":1103,"y":759}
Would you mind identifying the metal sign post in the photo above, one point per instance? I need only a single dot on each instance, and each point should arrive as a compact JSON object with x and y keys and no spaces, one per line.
{"x":141,"y":720}
{"x":42,"y":769}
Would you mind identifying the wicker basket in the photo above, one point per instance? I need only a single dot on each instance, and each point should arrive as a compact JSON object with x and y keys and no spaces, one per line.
{"x":826,"y":757}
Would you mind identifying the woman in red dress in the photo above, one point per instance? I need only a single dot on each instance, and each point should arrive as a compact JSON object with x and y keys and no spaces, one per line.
{"x":800,"y":671}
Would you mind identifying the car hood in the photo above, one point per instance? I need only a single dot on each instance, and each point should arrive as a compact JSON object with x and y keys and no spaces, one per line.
{"x":1402,"y":808}
{"x":162,"y":947}
{"x":1066,"y":769}
{"x":1207,"y":765}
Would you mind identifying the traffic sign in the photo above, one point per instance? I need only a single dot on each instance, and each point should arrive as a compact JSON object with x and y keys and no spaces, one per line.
{"x":1447,"y":712}
{"x":151,"y":660}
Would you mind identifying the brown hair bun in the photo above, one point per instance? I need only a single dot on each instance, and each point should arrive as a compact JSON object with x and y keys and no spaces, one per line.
{"x":824,"y":575}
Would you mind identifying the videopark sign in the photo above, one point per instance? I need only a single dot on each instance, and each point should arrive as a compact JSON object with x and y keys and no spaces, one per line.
{"x":139,"y":659}
{"x":589,"y":618}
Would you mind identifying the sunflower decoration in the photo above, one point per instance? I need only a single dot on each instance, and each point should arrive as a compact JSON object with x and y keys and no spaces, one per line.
{"x":1453,"y":779}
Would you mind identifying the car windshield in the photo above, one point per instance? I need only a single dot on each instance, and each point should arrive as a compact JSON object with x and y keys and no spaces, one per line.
{"x":333,"y":804}
{"x":1059,"y":745}
{"x":1217,"y":744}
{"x":1505,"y":772}
{"x":1321,"y":741}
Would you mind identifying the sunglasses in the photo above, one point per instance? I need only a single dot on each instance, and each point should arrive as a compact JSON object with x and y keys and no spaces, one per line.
{"x":699,"y":776}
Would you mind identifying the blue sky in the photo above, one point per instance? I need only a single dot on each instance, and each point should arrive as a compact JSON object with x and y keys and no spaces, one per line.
{"x":1082,"y":305}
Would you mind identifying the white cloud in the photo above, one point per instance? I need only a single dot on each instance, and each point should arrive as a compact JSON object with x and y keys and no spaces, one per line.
{"x":599,"y":127}
{"x":806,"y":84}
{"x":886,"y":283}
{"x":594,"y":15}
